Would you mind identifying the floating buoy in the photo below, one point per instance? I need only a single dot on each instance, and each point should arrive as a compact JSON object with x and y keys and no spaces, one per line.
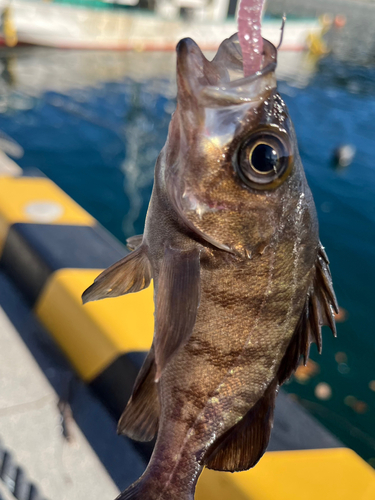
{"x":343,"y":155}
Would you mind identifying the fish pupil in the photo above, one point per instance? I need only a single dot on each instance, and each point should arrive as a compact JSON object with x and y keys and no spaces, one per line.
{"x":264,"y":159}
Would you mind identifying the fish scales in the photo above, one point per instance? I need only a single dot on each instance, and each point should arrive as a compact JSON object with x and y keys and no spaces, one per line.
{"x":241,"y":281}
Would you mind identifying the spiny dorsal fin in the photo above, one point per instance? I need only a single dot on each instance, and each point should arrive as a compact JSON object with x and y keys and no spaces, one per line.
{"x":134,"y":242}
{"x":322,"y":300}
{"x":318,"y":311}
{"x":323,"y":282}
{"x":140,"y":418}
{"x":177,"y":303}
{"x":128,"y":275}
{"x":242,"y":446}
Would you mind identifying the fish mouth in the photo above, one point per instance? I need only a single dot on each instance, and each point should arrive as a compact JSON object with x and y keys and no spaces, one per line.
{"x":221,"y":82}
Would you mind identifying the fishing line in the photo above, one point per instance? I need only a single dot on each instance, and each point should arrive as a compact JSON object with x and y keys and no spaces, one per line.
{"x":282,"y":30}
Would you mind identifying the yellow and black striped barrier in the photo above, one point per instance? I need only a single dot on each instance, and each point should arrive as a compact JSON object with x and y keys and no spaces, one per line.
{"x":53,"y":250}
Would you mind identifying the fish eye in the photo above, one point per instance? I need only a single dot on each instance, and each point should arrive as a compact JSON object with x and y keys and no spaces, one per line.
{"x":264,"y":160}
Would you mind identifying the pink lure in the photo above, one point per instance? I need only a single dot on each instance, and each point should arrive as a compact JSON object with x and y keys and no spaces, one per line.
{"x":249,"y":34}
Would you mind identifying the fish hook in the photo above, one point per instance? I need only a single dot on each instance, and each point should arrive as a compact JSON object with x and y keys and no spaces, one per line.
{"x":282,"y":31}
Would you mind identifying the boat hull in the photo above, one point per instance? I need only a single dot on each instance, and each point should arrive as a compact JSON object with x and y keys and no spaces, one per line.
{"x":71,"y":27}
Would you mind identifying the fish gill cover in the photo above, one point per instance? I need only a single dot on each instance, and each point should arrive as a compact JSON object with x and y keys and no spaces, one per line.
{"x":242,"y":284}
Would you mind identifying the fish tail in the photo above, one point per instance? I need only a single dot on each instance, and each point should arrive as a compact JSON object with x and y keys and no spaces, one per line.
{"x":174,"y":480}
{"x":136,"y":491}
{"x":146,"y":489}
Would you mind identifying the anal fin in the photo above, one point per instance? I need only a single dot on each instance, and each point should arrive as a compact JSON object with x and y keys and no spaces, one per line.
{"x":177,"y":303}
{"x":140,"y":418}
{"x":128,"y":275}
{"x":242,"y":446}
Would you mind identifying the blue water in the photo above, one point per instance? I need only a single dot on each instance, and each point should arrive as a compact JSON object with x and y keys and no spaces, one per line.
{"x":99,"y":143}
{"x":325,"y":114}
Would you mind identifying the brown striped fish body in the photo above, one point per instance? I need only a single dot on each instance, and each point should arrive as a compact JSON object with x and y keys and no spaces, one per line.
{"x":241,"y":281}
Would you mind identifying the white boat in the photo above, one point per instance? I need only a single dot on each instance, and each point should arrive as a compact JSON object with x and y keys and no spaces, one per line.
{"x":67,"y":26}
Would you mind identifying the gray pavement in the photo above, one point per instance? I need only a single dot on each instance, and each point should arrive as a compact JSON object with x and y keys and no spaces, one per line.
{"x":4,"y":493}
{"x":30,"y":427}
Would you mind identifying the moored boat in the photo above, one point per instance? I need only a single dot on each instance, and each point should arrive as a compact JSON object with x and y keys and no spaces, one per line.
{"x":71,"y":26}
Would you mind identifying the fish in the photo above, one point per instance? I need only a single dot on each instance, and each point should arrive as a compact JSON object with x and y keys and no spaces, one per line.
{"x":242,"y":284}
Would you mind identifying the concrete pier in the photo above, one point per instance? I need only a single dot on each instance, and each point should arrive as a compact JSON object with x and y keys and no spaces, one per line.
{"x":34,"y":379}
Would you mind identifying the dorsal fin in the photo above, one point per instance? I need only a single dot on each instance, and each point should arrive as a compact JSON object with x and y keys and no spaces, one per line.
{"x":177,"y":303}
{"x":322,"y":300}
{"x":128,"y":275}
{"x":243,"y":445}
{"x":318,"y":311}
{"x":140,"y":418}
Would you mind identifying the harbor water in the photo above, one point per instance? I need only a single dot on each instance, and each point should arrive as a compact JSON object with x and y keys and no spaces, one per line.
{"x":94,"y":122}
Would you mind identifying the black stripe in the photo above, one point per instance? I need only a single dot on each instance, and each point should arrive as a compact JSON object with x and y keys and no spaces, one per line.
{"x":34,"y":251}
{"x":115,"y":385}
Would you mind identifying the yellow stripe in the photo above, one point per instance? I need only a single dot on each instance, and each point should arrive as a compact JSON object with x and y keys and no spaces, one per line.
{"x":331,"y":474}
{"x":94,"y":335}
{"x":38,"y":200}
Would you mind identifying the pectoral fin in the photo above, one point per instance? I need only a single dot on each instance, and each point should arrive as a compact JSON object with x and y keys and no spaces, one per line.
{"x":128,"y":275}
{"x":242,"y":446}
{"x":177,"y":303}
{"x":140,"y":418}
